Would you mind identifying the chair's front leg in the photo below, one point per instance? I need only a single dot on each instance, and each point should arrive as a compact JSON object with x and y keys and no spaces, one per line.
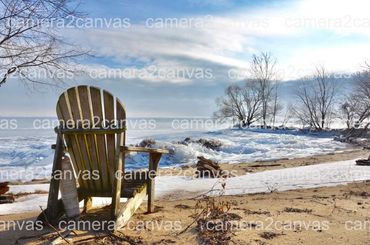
{"x":153,"y":167}
{"x":52,"y":209}
{"x":117,"y":181}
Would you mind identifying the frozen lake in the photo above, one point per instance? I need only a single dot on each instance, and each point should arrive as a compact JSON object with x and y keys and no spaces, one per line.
{"x":25,"y":152}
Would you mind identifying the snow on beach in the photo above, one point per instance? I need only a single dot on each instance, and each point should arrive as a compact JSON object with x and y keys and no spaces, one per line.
{"x":25,"y":155}
{"x":177,"y":187}
{"x":25,"y":152}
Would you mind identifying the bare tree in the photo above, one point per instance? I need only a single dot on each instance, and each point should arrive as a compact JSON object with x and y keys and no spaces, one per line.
{"x":240,"y":103}
{"x":30,"y":42}
{"x":276,"y":107}
{"x":316,"y":99}
{"x":356,"y":108}
{"x":252,"y":101}
{"x":257,"y":99}
{"x":348,"y":112}
{"x":362,"y":95}
{"x":263,"y":72}
{"x":231,"y":105}
{"x":288,"y":114}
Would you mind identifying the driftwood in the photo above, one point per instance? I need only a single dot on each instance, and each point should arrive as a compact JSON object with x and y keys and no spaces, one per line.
{"x":265,"y":165}
{"x":363,"y":162}
{"x":208,"y":168}
{"x":4,"y":188}
{"x":2,"y":184}
{"x":6,"y":199}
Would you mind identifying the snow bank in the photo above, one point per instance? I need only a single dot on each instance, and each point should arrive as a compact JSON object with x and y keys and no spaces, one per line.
{"x":329,"y":174}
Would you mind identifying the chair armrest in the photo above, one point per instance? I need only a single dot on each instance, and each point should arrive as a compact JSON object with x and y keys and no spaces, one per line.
{"x":143,"y":149}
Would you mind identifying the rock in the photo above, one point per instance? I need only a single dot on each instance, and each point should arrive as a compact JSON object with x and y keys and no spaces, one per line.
{"x":147,"y":143}
{"x":212,"y":144}
{"x":187,"y":139}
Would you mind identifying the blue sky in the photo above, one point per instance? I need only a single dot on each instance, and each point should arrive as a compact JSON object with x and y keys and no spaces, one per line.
{"x":301,"y":34}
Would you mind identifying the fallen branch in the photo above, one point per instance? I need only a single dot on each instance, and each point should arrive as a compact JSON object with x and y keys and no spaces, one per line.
{"x":29,"y":237}
{"x":265,"y":165}
{"x":55,"y":229}
{"x":6,"y":199}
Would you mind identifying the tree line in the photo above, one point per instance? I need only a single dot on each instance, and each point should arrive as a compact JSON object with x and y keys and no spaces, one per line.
{"x":318,"y":98}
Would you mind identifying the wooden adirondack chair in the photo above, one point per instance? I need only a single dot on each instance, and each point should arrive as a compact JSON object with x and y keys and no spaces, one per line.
{"x":102,"y":148}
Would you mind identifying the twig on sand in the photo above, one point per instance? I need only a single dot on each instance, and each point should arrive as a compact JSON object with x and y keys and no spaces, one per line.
{"x":222,"y":182}
{"x":325,"y":204}
{"x":104,"y":237}
{"x":196,"y":219}
{"x":29,"y":237}
{"x":55,"y":229}
{"x":335,"y":207}
{"x":125,"y":238}
{"x":203,"y":195}
{"x":209,"y":215}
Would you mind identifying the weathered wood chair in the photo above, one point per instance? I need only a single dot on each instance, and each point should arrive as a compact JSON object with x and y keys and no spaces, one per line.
{"x":99,"y":147}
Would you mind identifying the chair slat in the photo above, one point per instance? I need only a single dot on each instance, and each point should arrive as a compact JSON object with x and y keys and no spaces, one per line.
{"x":97,"y":107}
{"x":121,"y":120}
{"x":110,"y":139}
{"x":73,"y":100}
{"x":86,"y":113}
{"x":65,"y":115}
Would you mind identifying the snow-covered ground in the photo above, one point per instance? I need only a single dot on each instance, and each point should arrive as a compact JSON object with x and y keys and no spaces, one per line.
{"x":328,"y":174}
{"x":25,"y":152}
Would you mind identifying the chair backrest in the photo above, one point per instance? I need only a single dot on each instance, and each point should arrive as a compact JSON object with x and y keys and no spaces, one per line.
{"x":93,"y":154}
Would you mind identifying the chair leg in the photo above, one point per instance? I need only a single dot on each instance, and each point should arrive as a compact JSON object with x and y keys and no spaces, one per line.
{"x":116,"y":197}
{"x":154,"y":159}
{"x":117,"y":181}
{"x":87,"y":204}
{"x":151,"y":186}
{"x":57,"y":213}
{"x":53,"y":205}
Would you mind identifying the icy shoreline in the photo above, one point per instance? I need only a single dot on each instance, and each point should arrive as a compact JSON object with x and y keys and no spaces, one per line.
{"x":27,"y":158}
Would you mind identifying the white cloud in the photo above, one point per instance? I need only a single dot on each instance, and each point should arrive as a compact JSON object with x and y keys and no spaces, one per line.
{"x":346,"y":58}
{"x":229,"y":40}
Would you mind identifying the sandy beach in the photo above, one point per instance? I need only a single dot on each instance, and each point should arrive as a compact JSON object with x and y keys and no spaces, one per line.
{"x":336,"y":215}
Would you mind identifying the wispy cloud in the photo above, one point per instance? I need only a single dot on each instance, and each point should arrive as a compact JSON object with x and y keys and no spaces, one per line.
{"x":301,"y":34}
{"x":228,"y":40}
